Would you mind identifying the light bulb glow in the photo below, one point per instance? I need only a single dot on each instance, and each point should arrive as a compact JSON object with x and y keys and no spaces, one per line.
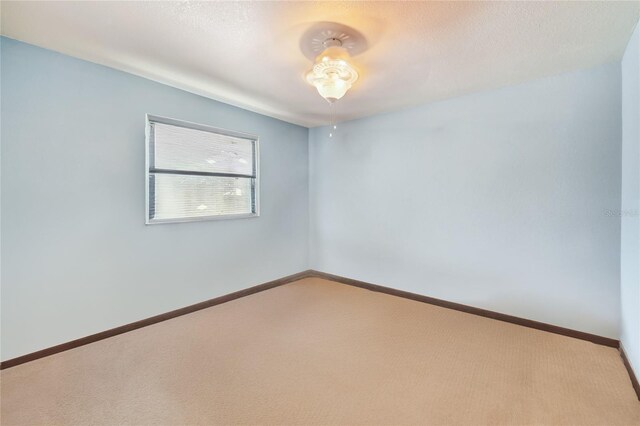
{"x":332,"y":75}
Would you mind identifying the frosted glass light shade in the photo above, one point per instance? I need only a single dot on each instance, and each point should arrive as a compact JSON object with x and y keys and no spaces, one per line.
{"x":332,"y":75}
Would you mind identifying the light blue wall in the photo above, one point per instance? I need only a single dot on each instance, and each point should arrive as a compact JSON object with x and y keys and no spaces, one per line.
{"x":504,"y":200}
{"x":630,"y":210}
{"x":76,"y":255}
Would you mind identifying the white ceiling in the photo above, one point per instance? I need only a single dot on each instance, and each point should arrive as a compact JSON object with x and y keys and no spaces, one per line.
{"x":249,"y":53}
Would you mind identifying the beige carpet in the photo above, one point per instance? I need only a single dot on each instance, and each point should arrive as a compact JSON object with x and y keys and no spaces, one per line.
{"x":318,"y":352}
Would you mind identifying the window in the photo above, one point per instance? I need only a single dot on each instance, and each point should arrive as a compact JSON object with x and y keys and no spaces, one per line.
{"x":197,"y":172}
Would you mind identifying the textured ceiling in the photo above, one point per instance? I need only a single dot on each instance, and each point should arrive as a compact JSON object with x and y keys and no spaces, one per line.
{"x":249,"y":53}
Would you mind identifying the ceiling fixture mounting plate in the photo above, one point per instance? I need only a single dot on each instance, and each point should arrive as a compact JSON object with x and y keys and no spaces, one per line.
{"x":312,"y":42}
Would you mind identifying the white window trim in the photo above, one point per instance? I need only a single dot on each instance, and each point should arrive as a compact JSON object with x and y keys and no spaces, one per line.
{"x":189,"y":125}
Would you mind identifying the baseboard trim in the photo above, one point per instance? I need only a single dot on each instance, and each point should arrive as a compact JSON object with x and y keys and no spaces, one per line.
{"x":348,"y":281}
{"x":632,"y":375}
{"x":152,"y":320}
{"x":594,"y":338}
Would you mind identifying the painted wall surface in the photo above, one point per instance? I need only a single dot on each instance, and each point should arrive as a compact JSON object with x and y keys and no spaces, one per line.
{"x":503,"y":200}
{"x":630,"y":208}
{"x":507,"y":200}
{"x":76,"y":256}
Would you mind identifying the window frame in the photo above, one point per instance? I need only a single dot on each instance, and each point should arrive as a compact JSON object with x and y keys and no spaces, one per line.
{"x":150,"y":118}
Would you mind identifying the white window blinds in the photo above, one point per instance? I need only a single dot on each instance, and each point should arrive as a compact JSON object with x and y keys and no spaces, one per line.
{"x":197,"y":172}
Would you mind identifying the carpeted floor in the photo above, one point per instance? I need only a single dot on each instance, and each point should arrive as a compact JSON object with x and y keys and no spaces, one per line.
{"x":318,"y":352}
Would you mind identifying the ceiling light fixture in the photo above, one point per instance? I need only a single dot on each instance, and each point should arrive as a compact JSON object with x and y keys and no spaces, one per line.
{"x":332,"y":74}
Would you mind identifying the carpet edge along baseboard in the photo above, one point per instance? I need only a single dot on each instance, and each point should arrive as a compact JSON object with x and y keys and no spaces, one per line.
{"x":594,"y":338}
{"x":632,"y":375}
{"x":151,"y":320}
{"x":600,"y":340}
